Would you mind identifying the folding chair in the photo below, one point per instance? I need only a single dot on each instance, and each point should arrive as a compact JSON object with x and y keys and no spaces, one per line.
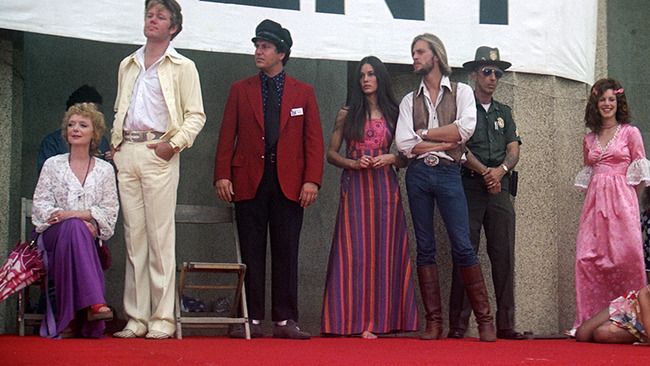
{"x":212,"y":215}
{"x":24,"y":300}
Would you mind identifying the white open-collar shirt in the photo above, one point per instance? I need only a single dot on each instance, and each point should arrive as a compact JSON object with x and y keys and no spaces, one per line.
{"x":405,"y":136}
{"x":148,"y":110}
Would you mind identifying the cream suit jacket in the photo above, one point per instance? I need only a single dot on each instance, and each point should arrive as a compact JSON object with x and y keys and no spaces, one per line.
{"x":179,"y":81}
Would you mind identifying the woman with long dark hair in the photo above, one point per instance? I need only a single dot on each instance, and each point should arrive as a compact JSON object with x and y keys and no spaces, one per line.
{"x":369,"y":287}
{"x":609,"y":248}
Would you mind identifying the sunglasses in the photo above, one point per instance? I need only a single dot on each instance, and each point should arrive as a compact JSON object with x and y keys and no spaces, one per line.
{"x":487,"y":71}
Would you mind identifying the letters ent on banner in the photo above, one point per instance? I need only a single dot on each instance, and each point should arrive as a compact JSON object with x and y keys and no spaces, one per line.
{"x":555,"y":37}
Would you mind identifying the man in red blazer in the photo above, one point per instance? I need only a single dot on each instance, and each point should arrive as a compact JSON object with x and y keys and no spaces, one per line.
{"x":269,"y":161}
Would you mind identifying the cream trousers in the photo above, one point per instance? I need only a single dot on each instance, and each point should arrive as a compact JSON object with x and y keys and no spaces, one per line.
{"x":147,"y":187}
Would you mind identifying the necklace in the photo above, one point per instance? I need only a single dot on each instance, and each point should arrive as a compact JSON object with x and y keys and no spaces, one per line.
{"x":604,"y":149}
{"x":83,"y":182}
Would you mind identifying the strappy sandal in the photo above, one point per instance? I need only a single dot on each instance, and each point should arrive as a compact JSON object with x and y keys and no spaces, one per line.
{"x":96,"y":312}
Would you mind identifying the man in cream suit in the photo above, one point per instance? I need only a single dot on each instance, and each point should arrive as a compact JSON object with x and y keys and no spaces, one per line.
{"x":158,"y":113}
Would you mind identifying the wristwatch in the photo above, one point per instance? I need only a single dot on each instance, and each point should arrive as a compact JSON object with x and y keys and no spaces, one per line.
{"x":422,"y":133}
{"x":505,"y":167}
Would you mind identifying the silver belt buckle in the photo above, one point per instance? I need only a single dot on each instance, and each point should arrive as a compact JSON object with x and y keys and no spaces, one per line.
{"x":431,"y":160}
{"x":132,"y":136}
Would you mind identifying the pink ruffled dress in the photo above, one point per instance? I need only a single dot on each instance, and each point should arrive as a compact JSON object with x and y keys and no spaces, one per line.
{"x":609,"y":247}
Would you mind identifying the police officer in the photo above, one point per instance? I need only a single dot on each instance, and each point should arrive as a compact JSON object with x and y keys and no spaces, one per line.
{"x":493,"y":151}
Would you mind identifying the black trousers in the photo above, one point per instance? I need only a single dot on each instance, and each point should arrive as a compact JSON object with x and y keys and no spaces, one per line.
{"x":496,"y":214}
{"x":270,"y":211}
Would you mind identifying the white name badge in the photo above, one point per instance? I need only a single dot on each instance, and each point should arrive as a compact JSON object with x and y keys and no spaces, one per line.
{"x":296,"y":112}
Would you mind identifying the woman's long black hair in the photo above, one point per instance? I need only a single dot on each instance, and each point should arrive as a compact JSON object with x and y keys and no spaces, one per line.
{"x":358,"y":110}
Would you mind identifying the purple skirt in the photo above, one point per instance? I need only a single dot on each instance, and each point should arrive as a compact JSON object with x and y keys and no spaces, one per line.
{"x":73,"y":265}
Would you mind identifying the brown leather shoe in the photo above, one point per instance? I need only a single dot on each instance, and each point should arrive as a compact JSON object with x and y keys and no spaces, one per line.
{"x":289,"y":331}
{"x":510,"y":334}
{"x":478,"y":297}
{"x":456,"y":333}
{"x":430,"y":291}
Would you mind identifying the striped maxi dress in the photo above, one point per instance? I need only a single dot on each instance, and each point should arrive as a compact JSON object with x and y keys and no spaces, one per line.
{"x":369,"y":283}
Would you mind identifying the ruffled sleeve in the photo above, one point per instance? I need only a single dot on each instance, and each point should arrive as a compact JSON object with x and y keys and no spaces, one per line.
{"x":639,"y":171}
{"x":583,"y":178}
{"x":44,"y":201}
{"x":105,"y":207}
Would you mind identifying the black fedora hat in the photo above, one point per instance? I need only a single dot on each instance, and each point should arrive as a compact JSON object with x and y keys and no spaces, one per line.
{"x":486,"y":56}
{"x":273,"y":32}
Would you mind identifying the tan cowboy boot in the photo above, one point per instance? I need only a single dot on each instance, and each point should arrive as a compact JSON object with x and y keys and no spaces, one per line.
{"x":430,"y":290}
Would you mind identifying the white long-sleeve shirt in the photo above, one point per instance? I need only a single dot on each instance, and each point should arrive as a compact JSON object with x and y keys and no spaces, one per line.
{"x":405,"y":136}
{"x":148,"y":110}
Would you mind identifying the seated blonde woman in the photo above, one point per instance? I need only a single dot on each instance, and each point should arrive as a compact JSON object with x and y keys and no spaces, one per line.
{"x":626,"y":320}
{"x":75,"y":204}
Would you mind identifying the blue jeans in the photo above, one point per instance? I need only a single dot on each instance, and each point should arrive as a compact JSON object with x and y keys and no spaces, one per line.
{"x":439,"y":184}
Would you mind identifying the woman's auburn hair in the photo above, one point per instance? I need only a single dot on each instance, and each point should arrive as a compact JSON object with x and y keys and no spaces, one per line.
{"x":593,"y":120}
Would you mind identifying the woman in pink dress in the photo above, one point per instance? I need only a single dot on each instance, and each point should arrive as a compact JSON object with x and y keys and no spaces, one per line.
{"x":609,"y":248}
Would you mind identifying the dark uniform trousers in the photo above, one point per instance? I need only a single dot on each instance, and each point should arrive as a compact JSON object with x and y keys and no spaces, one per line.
{"x":271,"y":210}
{"x":495,"y":213}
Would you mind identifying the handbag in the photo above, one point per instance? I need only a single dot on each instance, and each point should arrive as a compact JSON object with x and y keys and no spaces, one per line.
{"x":104,"y":254}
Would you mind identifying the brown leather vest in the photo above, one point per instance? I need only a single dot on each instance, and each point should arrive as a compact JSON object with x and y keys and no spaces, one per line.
{"x":446,"y":114}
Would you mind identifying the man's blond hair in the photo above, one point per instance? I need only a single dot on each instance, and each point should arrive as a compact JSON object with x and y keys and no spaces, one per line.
{"x":438,"y":48}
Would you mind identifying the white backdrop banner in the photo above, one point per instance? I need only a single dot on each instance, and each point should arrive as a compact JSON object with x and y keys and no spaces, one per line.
{"x":555,"y":37}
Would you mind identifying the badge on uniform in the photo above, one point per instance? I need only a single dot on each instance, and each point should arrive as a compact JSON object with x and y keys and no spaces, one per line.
{"x":296,"y":112}
{"x":500,"y":122}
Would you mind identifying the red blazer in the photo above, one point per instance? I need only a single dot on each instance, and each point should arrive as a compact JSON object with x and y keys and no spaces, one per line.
{"x":240,"y":149}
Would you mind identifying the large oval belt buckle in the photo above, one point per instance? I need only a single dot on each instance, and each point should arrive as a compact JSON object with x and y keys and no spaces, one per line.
{"x":431,"y":160}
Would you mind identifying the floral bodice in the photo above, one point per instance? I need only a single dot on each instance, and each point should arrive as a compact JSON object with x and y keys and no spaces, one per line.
{"x":59,"y":189}
{"x":377,"y":139}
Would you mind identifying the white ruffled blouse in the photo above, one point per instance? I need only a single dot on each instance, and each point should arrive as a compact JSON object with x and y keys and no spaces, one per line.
{"x":59,"y":189}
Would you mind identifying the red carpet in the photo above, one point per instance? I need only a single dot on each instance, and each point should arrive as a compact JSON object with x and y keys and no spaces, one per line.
{"x":33,"y":350}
